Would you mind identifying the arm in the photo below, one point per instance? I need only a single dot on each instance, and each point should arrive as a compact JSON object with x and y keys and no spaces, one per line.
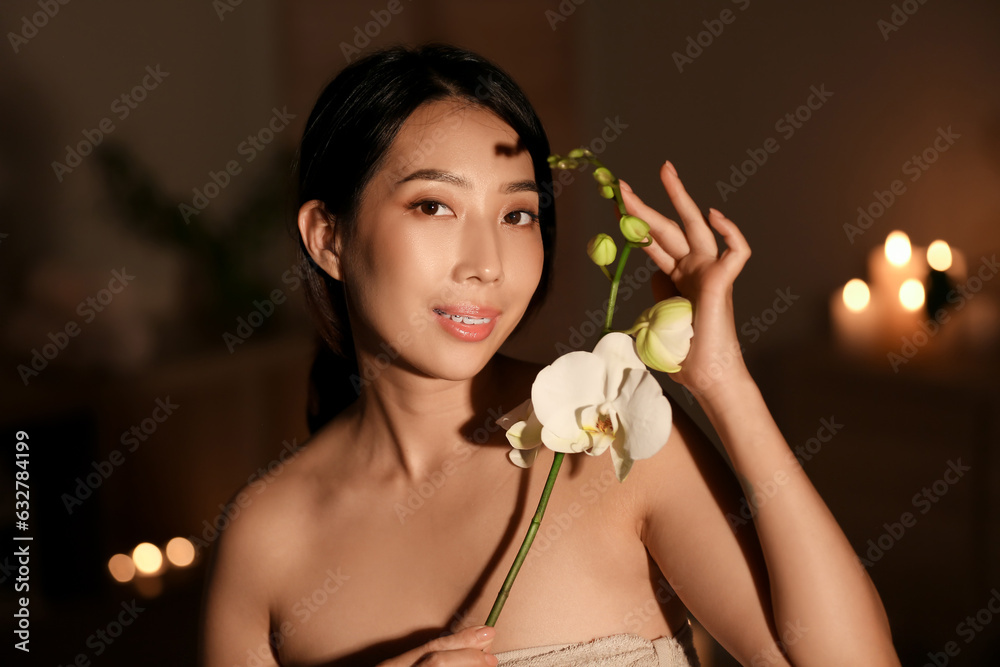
{"x":814,"y":579}
{"x":235,"y":617}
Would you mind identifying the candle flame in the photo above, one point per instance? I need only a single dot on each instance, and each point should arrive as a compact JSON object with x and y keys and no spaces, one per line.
{"x":911,"y":294}
{"x":856,"y":295}
{"x":897,"y":248}
{"x":939,"y":256}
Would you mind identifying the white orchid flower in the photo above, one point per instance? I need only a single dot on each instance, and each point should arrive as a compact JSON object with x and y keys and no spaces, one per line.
{"x":591,"y":402}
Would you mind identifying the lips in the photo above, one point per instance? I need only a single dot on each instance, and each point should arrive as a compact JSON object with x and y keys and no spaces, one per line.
{"x":468,"y":322}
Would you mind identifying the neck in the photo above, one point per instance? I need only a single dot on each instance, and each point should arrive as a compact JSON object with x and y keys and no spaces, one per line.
{"x":413,"y":425}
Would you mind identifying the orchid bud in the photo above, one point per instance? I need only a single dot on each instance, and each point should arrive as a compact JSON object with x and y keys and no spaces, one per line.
{"x":553,"y":160}
{"x":576,"y":153}
{"x":567,"y":163}
{"x":663,"y":334}
{"x":607,"y":192}
{"x":603,"y":176}
{"x":602,"y":249}
{"x":633,"y":229}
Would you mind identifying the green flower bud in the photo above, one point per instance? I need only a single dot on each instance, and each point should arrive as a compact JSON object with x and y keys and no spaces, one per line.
{"x":633,"y":229}
{"x":602,"y":249}
{"x":603,"y":176}
{"x":553,"y":160}
{"x":663,"y":334}
{"x":567,"y":164}
{"x":607,"y":192}
{"x":576,"y":153}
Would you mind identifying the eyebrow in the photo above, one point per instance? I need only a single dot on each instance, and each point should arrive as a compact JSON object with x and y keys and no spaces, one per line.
{"x":454,"y":179}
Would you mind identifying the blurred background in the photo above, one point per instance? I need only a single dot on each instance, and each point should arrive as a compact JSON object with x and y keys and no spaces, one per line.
{"x":155,"y":347}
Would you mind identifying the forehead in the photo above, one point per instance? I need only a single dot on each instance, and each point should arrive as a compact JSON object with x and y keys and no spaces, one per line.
{"x":457,"y":135}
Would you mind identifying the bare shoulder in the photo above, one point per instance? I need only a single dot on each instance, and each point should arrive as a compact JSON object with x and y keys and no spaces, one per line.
{"x":269,"y":518}
{"x":262,"y":540}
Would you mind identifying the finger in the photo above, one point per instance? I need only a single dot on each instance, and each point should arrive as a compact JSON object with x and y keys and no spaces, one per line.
{"x":467,"y":657}
{"x":667,"y":233}
{"x":475,"y":639}
{"x":699,"y":236}
{"x":663,"y":259}
{"x":737,"y":249}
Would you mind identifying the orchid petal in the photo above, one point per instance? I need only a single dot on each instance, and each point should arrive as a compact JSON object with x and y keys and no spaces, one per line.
{"x":523,"y":458}
{"x":525,"y":434}
{"x":573,"y":380}
{"x":618,"y":352}
{"x":646,"y":417}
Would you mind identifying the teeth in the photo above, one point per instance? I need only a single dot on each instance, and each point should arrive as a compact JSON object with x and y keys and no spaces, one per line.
{"x":463,"y":319}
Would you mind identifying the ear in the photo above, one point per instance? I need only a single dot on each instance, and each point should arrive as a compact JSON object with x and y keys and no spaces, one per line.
{"x":319,"y":235}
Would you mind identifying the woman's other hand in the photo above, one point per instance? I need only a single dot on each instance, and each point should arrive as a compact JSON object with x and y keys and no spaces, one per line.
{"x":465,"y":648}
{"x":692,"y":267}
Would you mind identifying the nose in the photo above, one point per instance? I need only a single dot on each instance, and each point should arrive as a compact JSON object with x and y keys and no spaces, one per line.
{"x":480,"y":253}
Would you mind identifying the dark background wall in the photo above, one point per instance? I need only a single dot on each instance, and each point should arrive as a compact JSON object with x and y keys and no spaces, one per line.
{"x":596,"y":71}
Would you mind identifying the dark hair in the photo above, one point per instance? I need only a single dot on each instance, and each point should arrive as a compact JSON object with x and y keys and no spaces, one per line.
{"x":347,"y":136}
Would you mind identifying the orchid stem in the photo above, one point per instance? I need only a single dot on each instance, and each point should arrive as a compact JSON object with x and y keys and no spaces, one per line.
{"x":536,"y":521}
{"x":614,"y":288}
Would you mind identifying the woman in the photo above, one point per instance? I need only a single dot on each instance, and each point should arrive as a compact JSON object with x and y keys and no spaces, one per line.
{"x":386,"y":540}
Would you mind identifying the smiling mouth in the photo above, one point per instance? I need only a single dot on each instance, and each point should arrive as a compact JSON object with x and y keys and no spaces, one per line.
{"x":464,"y":319}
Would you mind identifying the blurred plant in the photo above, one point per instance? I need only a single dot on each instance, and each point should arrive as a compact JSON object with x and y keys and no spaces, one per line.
{"x":226,"y":253}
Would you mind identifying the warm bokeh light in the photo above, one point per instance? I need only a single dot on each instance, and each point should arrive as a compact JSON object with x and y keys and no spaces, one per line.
{"x":911,"y":294}
{"x":856,"y":295}
{"x":121,"y":568}
{"x":897,"y":248}
{"x":939,"y":256}
{"x":180,"y":551}
{"x":148,"y":558}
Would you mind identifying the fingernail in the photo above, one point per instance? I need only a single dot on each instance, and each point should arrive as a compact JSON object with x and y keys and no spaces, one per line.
{"x":485,"y":632}
{"x":491,"y":659}
{"x":670,"y":166}
{"x":624,"y":186}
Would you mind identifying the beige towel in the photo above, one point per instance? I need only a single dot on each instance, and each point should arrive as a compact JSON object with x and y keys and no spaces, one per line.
{"x":614,"y":651}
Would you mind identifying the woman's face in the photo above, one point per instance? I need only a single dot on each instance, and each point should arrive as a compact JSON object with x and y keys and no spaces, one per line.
{"x":448,"y":228}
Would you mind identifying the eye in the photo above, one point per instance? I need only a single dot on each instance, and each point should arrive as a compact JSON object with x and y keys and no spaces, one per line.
{"x":430,"y":207}
{"x":521,"y":218}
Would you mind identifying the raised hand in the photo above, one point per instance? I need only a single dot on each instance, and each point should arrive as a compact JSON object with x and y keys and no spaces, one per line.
{"x":692,"y":267}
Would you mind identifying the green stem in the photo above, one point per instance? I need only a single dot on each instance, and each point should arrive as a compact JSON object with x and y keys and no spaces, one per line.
{"x":536,"y":521}
{"x":614,"y":288}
